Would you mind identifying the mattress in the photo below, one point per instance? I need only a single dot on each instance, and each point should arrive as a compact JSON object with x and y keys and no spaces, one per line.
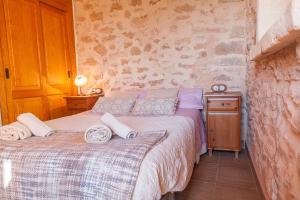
{"x":167,"y":167}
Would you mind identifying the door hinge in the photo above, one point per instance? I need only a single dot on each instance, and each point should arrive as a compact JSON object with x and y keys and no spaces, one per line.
{"x":7,"y":76}
{"x":69,"y":74}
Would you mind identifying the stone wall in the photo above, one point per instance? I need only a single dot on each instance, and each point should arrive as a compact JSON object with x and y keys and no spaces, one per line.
{"x":274,"y":136}
{"x":274,"y":117}
{"x":161,"y":43}
{"x":133,"y":44}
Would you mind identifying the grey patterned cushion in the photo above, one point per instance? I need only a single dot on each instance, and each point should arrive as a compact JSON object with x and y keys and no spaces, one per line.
{"x":114,"y":105}
{"x":162,"y":106}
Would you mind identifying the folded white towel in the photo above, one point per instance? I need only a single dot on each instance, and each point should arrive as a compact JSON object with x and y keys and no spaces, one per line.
{"x":118,"y":127}
{"x":14,"y":131}
{"x":98,"y":133}
{"x":36,"y":126}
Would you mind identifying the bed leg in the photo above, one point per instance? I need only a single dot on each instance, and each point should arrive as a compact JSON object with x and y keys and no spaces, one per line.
{"x":210,"y":152}
{"x":198,"y":159}
{"x":172,"y":196}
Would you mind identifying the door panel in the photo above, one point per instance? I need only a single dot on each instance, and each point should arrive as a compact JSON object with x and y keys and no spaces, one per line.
{"x":22,"y":28}
{"x":33,"y":105}
{"x":56,"y":47}
{"x":24,"y":86}
{"x":224,"y":129}
{"x":57,"y":58}
{"x":55,"y":44}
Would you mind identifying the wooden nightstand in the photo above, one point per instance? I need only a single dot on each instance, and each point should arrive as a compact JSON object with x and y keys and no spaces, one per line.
{"x":77,"y":104}
{"x":223,"y":121}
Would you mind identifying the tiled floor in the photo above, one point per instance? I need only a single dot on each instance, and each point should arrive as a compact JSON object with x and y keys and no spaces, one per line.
{"x":222,"y":177}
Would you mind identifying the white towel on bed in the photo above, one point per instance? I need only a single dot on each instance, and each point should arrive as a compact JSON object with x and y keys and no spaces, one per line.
{"x":118,"y":127}
{"x":36,"y":126}
{"x":98,"y":134}
{"x":14,"y":131}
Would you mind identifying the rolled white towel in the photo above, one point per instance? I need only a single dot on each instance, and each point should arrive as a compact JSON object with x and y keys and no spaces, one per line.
{"x":118,"y":127}
{"x":98,"y":134}
{"x":14,"y":131}
{"x":36,"y":126}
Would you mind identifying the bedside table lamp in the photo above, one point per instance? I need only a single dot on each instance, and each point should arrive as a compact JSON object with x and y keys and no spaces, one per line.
{"x":80,"y":81}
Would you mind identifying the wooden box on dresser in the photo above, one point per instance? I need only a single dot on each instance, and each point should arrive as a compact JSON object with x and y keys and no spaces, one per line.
{"x":77,"y":104}
{"x":223,"y":121}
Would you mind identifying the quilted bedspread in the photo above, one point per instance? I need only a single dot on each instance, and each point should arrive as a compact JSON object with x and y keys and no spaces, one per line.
{"x":63,"y":166}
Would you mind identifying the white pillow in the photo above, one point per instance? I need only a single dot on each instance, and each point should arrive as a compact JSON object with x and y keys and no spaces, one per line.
{"x":162,"y":93}
{"x":115,"y":105}
{"x":162,"y":106}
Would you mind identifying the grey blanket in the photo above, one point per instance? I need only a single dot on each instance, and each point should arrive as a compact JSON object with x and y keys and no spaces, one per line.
{"x":63,"y":166}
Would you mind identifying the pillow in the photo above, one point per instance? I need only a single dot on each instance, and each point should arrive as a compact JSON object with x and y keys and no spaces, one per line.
{"x":162,"y":93}
{"x":162,"y":106}
{"x":190,"y":98}
{"x":114,"y":105}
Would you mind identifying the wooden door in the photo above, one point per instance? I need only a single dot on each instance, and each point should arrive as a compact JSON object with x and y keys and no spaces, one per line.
{"x":224,"y":130}
{"x":22,"y":59}
{"x":37,"y":43}
{"x":57,"y":68}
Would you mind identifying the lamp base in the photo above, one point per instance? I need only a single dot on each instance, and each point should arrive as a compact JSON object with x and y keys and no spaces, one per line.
{"x":80,"y":92}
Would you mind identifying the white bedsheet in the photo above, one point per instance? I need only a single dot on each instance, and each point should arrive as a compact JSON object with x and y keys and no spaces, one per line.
{"x":167,"y":167}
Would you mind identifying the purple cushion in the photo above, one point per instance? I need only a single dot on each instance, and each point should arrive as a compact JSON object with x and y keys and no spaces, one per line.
{"x":190,"y":98}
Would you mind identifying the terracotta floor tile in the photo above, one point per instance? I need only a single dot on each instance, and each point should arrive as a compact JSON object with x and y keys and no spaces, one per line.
{"x":231,"y":193}
{"x":205,"y":172}
{"x":198,"y":190}
{"x":230,"y":154}
{"x":236,"y":176}
{"x":214,"y":159}
{"x":222,"y":177}
{"x":232,"y":162}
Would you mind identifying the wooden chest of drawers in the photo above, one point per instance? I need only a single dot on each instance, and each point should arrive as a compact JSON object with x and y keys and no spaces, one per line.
{"x":223,"y":121}
{"x":77,"y":104}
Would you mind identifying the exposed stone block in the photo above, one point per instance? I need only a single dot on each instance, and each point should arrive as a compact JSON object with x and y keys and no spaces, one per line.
{"x":231,"y":61}
{"x":184,"y":8}
{"x":135,"y":51}
{"x":230,"y":48}
{"x":100,"y":49}
{"x":96,"y":16}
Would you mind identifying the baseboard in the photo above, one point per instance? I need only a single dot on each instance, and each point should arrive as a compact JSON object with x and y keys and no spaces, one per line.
{"x":260,"y":188}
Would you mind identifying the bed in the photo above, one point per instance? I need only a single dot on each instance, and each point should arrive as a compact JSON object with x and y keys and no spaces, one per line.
{"x":167,"y":167}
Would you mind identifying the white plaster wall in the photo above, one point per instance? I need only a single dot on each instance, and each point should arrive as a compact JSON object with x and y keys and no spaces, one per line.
{"x":268,"y":12}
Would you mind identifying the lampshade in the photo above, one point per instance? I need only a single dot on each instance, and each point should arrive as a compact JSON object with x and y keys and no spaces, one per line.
{"x":80,"y":80}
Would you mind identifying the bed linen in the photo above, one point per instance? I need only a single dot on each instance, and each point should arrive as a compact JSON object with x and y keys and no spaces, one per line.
{"x":200,"y":133}
{"x":167,"y":167}
{"x":63,"y":166}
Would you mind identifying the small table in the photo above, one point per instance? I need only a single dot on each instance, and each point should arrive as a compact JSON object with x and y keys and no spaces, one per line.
{"x":223,"y":121}
{"x":77,"y":104}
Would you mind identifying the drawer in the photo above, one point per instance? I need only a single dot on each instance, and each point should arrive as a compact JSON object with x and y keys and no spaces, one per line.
{"x":77,"y":104}
{"x":223,"y":104}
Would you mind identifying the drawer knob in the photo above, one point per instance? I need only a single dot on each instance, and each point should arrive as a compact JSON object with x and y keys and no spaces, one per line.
{"x":223,"y":104}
